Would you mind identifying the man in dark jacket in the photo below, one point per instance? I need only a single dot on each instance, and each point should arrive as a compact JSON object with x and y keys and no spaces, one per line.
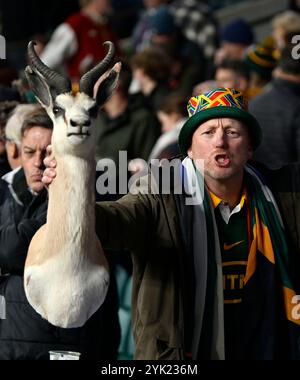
{"x":215,"y":258}
{"x":23,"y":333}
{"x":125,"y":124}
{"x":278,"y":111}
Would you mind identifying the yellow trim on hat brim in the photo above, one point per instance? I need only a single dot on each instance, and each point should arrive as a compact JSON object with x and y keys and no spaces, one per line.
{"x":259,"y":61}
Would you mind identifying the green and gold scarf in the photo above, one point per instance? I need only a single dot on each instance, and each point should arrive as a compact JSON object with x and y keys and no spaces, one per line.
{"x":270,"y":325}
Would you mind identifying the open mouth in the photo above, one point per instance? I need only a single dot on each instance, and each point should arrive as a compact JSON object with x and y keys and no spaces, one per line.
{"x":223,"y":160}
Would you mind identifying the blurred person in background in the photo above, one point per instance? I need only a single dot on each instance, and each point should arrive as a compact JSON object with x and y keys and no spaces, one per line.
{"x":77,"y":44}
{"x":196,"y":22}
{"x":172,"y":114}
{"x":261,"y":60}
{"x":233,"y":74}
{"x":6,"y":107}
{"x":230,"y":74}
{"x":186,"y":61}
{"x":150,"y":69}
{"x":277,"y":109}
{"x":284,"y":25}
{"x":125,"y":125}
{"x":235,"y":38}
{"x":142,"y":31}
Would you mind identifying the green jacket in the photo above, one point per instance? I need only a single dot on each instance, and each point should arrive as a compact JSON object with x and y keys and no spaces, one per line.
{"x":149,"y":226}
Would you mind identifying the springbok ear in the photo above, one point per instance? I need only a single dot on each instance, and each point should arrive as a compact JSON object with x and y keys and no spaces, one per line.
{"x":107,"y":85}
{"x":39,"y":86}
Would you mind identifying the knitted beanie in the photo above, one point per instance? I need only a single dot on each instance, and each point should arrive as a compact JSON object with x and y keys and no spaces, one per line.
{"x":261,"y":58}
{"x":238,"y":31}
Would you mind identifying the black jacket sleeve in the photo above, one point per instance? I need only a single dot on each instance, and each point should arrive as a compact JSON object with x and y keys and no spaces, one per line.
{"x":16,"y":231}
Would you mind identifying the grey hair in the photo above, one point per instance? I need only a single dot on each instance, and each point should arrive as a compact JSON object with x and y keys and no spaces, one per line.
{"x":37,"y":118}
{"x":14,"y":123}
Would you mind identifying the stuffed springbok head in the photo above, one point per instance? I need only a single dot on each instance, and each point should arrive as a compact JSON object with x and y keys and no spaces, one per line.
{"x":66,"y":273}
{"x":72,"y":116}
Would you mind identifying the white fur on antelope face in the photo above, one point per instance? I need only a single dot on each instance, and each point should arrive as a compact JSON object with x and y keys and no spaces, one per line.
{"x":74,"y":126}
{"x":66,"y":304}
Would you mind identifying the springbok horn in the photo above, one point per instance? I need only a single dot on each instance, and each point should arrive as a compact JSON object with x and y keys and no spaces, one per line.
{"x":54,"y":79}
{"x":89,"y":79}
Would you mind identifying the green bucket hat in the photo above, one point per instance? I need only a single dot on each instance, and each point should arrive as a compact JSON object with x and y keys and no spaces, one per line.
{"x":222,"y":102}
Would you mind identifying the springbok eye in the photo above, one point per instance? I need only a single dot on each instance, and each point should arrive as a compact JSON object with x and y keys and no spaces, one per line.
{"x":57,"y":110}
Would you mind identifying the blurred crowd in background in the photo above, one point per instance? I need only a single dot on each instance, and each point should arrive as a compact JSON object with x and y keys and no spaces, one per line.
{"x":170,"y":51}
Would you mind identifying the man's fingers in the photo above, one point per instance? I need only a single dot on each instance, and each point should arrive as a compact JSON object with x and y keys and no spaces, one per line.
{"x":49,"y":160}
{"x":50,"y":173}
{"x":48,"y":176}
{"x":49,"y":150}
{"x":50,"y":164}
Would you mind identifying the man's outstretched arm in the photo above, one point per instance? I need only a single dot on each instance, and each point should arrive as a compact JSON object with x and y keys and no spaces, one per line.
{"x":124,"y":224}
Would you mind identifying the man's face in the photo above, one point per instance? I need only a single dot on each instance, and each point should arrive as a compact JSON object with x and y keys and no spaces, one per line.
{"x":225,"y":147}
{"x":33,"y":151}
{"x":102,"y":6}
{"x":233,"y":50}
{"x":226,"y":78}
{"x":167,"y":120}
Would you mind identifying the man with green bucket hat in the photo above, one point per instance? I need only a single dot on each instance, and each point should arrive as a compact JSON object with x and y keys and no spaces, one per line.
{"x":216,"y":265}
{"x":227,"y":103}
